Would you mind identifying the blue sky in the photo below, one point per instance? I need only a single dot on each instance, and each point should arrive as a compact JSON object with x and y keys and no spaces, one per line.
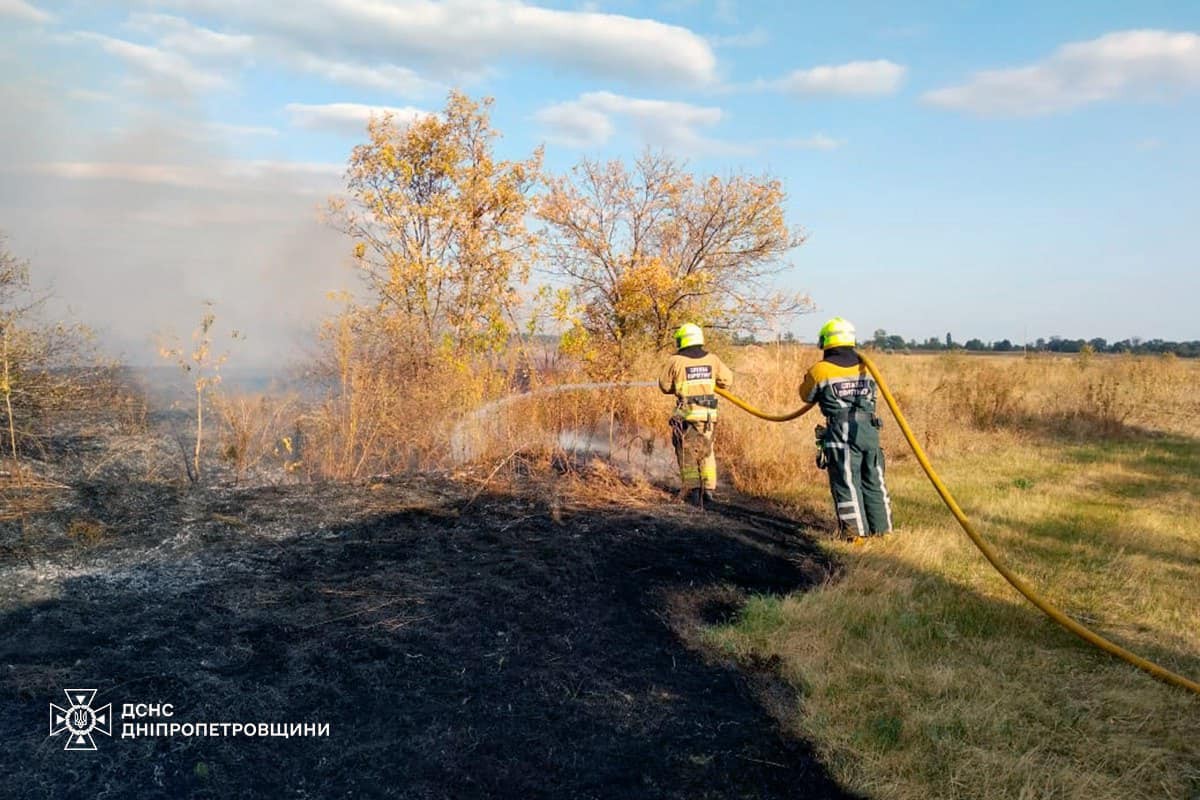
{"x":987,"y":169}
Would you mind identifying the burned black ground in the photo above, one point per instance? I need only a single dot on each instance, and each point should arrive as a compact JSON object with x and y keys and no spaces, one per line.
{"x":458,"y":645}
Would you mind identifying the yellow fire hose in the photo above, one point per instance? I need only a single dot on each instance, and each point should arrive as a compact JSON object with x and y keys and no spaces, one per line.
{"x":1047,"y":608}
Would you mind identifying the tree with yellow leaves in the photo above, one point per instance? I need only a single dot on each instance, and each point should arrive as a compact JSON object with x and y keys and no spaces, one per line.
{"x":643,"y":250}
{"x":438,"y":226}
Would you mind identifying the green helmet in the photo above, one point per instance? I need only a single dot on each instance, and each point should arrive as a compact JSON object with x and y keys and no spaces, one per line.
{"x":836,"y":333}
{"x":688,"y":335}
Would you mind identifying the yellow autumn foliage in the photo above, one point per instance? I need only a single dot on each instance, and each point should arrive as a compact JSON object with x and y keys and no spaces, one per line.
{"x":438,"y":226}
{"x":648,"y":247}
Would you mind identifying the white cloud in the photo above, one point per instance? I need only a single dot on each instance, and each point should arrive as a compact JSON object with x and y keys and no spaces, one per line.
{"x":574,"y":124}
{"x":90,"y":96}
{"x":178,"y":35}
{"x":213,"y":136}
{"x":1134,"y":64}
{"x":384,"y":77}
{"x":381,"y":46}
{"x":254,"y":170}
{"x":19,"y":9}
{"x":854,"y":78}
{"x":588,"y":122}
{"x":186,"y":44}
{"x":229,"y":129}
{"x":468,"y":35}
{"x":348,"y":117}
{"x":156,"y":63}
{"x":224,"y":175}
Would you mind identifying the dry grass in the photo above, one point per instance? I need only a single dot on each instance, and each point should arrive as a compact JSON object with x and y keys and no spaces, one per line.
{"x":924,"y":674}
{"x":388,"y":406}
{"x":255,"y":428}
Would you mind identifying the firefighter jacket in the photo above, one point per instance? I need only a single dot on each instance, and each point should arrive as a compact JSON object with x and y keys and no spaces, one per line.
{"x":693,"y":375}
{"x":845,"y":391}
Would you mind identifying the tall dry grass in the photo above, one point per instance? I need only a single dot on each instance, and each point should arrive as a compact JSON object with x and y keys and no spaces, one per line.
{"x":388,"y":406}
{"x":956,"y":403}
{"x":256,"y":430}
{"x":961,"y":404}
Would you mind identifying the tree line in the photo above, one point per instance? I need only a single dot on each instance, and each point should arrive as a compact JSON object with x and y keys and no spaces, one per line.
{"x":882,"y":340}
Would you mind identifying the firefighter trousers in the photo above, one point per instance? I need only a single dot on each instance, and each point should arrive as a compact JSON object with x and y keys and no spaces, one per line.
{"x":856,"y":481}
{"x":693,"y":443}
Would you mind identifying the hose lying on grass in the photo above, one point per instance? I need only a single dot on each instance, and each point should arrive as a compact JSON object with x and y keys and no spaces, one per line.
{"x":1047,"y":608}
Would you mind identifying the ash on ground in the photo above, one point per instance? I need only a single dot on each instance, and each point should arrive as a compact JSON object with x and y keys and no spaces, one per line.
{"x":460,"y":640}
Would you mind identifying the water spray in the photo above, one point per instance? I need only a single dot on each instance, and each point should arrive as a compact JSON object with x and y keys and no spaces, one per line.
{"x":459,"y":446}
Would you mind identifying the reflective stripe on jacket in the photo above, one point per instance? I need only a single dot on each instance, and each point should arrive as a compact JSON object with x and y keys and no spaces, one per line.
{"x":841,"y":391}
{"x":693,"y":375}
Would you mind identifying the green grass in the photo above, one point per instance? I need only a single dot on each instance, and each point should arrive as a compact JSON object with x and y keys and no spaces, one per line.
{"x":925,"y":675}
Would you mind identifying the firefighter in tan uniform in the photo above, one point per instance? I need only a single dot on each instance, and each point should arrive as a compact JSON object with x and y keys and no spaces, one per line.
{"x":693,"y":374}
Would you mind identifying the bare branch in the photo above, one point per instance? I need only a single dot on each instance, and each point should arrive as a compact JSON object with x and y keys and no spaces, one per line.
{"x":647,"y":247}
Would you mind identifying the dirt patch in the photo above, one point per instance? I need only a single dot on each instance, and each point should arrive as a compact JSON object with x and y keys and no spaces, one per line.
{"x":457,"y":645}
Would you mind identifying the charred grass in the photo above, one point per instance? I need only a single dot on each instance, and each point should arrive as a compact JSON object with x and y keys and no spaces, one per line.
{"x":478,"y":634}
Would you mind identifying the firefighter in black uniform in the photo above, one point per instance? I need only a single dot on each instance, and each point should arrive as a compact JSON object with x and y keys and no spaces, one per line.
{"x":849,"y":441}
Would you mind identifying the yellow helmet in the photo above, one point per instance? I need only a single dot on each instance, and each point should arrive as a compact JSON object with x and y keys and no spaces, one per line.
{"x":836,"y":333}
{"x":688,"y":335}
